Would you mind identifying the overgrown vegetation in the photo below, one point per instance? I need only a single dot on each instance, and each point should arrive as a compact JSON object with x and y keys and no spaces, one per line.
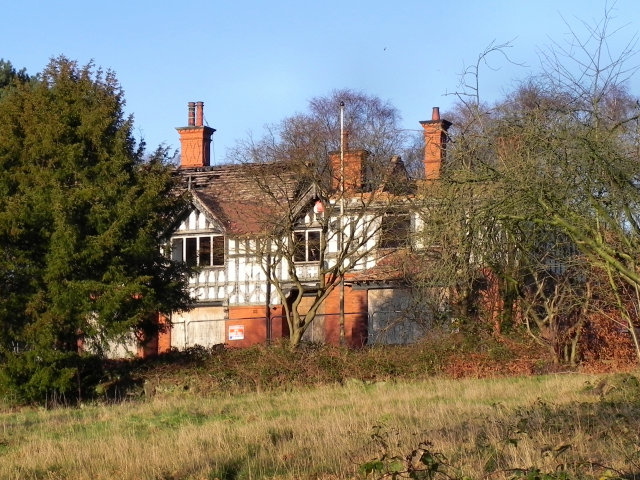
{"x":564,"y":426}
{"x":473,"y":351}
{"x":535,"y":217}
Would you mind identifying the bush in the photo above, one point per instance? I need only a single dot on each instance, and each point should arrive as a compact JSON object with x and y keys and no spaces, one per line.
{"x":50,"y":377}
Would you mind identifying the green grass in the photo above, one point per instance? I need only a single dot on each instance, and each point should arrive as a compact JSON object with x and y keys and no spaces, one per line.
{"x":484,"y":427}
{"x":266,"y":413}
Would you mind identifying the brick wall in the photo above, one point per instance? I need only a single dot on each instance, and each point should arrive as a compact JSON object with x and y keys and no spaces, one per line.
{"x":253,"y":320}
{"x":279,"y":325}
{"x":355,"y":320}
{"x":164,"y":334}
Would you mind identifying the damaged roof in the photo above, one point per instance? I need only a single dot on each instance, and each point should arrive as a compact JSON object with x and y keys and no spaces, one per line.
{"x":246,"y":199}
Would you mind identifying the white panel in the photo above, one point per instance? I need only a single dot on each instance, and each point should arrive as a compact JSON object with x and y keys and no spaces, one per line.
{"x":177,"y":252}
{"x":202,"y":221}
{"x":126,"y":347}
{"x":200,"y":326}
{"x":332,"y":244}
{"x":232,"y":270}
{"x":178,"y":333}
{"x":242,"y":270}
{"x":192,"y":220}
{"x":388,"y":322}
{"x":182,"y":226}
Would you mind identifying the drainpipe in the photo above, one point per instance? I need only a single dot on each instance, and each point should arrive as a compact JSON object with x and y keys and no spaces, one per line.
{"x":268,"y":295}
{"x":342,"y":336}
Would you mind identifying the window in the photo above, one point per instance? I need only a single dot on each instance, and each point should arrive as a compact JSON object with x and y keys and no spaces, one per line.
{"x":394,"y":231}
{"x":203,"y":251}
{"x":191,"y":249}
{"x":306,"y":246}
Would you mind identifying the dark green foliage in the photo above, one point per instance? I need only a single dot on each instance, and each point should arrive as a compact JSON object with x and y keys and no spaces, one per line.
{"x":9,"y":75}
{"x":55,"y":377}
{"x":82,"y":212}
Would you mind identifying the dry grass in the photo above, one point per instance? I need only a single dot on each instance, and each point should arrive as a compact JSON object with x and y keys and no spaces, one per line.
{"x":325,"y":432}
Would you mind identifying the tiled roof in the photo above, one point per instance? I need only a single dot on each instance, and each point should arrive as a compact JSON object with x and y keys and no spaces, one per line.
{"x":251,"y":199}
{"x":246,"y":199}
{"x":393,"y":266}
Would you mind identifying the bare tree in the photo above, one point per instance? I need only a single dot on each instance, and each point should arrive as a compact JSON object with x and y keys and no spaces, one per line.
{"x":335,"y":220}
{"x":555,"y":161}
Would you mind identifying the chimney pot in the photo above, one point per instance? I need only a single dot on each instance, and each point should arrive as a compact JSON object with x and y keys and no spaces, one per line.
{"x":195,"y":139}
{"x":435,"y":136}
{"x":199,"y":114}
{"x":192,"y":114}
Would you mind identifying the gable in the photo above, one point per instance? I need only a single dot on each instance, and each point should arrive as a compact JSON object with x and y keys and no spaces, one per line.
{"x":309,"y":216}
{"x":197,"y":219}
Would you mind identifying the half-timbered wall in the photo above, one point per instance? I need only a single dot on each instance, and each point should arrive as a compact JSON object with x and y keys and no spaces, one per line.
{"x":239,"y":282}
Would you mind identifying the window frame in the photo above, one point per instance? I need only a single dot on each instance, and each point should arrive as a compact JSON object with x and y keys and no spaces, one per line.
{"x":311,"y":250}
{"x":216,"y":250}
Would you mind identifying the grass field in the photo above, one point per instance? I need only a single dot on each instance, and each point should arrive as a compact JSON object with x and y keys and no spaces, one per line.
{"x":485,"y":428}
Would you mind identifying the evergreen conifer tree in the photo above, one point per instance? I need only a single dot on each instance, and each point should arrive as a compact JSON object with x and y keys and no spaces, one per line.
{"x":82,"y":213}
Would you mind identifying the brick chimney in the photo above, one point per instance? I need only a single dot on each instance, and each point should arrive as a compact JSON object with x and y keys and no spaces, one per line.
{"x":435,"y":142}
{"x":354,"y":167}
{"x":195,"y":139}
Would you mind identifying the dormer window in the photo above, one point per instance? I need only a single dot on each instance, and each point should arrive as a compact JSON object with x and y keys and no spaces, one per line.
{"x":201,"y":250}
{"x":306,"y":246}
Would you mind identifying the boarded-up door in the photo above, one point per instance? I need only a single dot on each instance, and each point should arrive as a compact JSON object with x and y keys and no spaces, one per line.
{"x":201,"y":326}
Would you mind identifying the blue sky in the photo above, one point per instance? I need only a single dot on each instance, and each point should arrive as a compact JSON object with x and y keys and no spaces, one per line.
{"x":255,"y":63}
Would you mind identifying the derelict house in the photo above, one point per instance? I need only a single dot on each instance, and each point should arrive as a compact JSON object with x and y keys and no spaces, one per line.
{"x":262,"y":233}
